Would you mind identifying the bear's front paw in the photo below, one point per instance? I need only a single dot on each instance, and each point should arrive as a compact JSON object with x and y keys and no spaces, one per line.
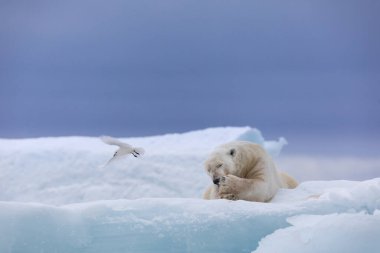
{"x":229,"y":196}
{"x":228,"y":187}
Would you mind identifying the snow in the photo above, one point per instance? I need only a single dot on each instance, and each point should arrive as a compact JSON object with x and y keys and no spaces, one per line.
{"x":195,"y":225}
{"x":348,"y":232}
{"x":71,"y":169}
{"x":56,"y":196}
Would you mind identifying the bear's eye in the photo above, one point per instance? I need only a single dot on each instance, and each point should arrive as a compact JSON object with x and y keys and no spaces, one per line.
{"x":219,"y":165}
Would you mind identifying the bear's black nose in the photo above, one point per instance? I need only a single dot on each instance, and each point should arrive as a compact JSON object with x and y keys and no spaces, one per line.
{"x":216,"y":181}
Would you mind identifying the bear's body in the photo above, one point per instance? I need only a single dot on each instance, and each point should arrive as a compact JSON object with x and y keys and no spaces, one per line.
{"x":243,"y":170}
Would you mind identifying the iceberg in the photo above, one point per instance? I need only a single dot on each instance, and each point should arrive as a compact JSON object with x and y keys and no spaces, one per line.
{"x":196,"y":225}
{"x":65,"y":170}
{"x":345,"y":232}
{"x":56,"y":196}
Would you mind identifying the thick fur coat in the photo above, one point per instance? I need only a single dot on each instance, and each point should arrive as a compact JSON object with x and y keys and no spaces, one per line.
{"x":243,"y":170}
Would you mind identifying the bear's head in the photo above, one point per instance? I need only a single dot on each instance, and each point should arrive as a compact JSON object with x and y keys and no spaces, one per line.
{"x":225,"y":160}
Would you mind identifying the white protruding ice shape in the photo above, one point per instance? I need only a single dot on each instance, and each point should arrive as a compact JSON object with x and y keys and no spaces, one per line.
{"x":153,"y":204}
{"x":272,"y":147}
{"x":347,"y":232}
{"x":64,"y":170}
{"x":194,"y":225}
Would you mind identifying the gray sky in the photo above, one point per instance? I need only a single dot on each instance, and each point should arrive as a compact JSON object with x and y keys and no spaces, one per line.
{"x":127,"y":68}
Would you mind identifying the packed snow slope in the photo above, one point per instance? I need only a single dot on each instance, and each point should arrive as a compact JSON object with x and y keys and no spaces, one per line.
{"x":71,"y":169}
{"x":56,"y":196}
{"x":345,"y":218}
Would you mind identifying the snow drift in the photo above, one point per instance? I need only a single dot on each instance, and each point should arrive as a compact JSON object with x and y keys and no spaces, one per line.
{"x":195,"y":225}
{"x":347,"y":232}
{"x":56,"y":196}
{"x":71,"y":169}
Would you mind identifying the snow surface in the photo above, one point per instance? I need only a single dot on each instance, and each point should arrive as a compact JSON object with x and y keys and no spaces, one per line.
{"x":71,"y":169}
{"x":195,"y":225}
{"x":56,"y":196}
{"x":348,"y":232}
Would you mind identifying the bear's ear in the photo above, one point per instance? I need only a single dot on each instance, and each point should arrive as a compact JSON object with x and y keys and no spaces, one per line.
{"x":232,"y":152}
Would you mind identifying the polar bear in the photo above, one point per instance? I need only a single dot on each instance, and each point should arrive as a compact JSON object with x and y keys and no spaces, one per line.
{"x":243,"y":170}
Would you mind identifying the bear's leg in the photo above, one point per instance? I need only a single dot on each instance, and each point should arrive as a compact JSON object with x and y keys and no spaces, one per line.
{"x":233,"y":187}
{"x":211,"y":193}
{"x":288,"y":181}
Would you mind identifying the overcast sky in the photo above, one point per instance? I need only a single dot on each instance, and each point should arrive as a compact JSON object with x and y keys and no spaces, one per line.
{"x":129,"y":68}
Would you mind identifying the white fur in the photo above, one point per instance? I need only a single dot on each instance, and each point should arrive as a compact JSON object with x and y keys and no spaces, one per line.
{"x":245,"y":172}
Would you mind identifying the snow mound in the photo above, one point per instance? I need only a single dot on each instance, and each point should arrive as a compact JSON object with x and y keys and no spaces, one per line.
{"x":296,"y":221}
{"x":66,"y":170}
{"x":153,"y":204}
{"x":348,"y":232}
